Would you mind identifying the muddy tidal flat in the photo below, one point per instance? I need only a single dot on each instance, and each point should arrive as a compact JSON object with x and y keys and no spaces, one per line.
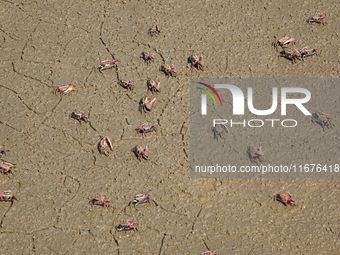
{"x":58,"y":169}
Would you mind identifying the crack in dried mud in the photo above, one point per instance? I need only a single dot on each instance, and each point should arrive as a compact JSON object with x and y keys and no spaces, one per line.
{"x":105,"y":45}
{"x":9,"y":35}
{"x":28,"y":233}
{"x":195,"y":220}
{"x":52,"y":250}
{"x":205,"y":244}
{"x":7,"y":125}
{"x":169,"y":99}
{"x":22,"y":100}
{"x":183,"y":140}
{"x":112,"y":232}
{"x":27,"y":76}
{"x":33,"y":245}
{"x":162,"y":243}
{"x":4,"y":215}
{"x":29,"y":38}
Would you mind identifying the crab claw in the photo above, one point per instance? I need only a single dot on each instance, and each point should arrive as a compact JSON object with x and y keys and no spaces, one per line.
{"x":141,"y":104}
{"x":8,"y":164}
{"x":279,"y":198}
{"x":107,"y":64}
{"x":165,"y":70}
{"x":120,"y":227}
{"x":139,"y":149}
{"x":146,"y":152}
{"x":291,"y":198}
{"x":102,"y":141}
{"x":102,"y":201}
{"x":103,"y":144}
{"x":154,"y":29}
{"x":191,"y":60}
{"x":101,"y":149}
{"x":153,"y":86}
{"x":108,"y":139}
{"x":149,"y":103}
{"x":285,"y":199}
{"x":134,"y":202}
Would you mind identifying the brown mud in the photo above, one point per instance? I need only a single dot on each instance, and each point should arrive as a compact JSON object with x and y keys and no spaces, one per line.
{"x":45,"y":44}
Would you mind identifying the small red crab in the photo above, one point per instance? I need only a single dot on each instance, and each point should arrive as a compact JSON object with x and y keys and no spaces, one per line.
{"x":140,"y":199}
{"x":323,"y":119}
{"x":196,"y":61}
{"x":7,"y":196}
{"x":146,"y":104}
{"x":319,"y":18}
{"x":169,"y":71}
{"x":147,"y":56}
{"x":105,"y":144}
{"x":129,"y":225}
{"x":255,"y":153}
{"x":107,"y":64}
{"x":141,"y":152}
{"x":153,"y":86}
{"x":209,"y":253}
{"x":102,"y":201}
{"x":126,"y":84}
{"x":284,"y":199}
{"x":154,"y":30}
{"x":283,"y":42}
{"x":145,"y":128}
{"x":6,"y":167}
{"x":306,"y":52}
{"x":290,"y":55}
{"x":65,"y":89}
{"x":80,"y":116}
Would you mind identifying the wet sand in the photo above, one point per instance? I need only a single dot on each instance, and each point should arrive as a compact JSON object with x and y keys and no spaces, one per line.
{"x":58,"y":168}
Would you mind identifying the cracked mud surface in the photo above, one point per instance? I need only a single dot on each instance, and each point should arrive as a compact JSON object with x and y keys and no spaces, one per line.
{"x":45,"y":44}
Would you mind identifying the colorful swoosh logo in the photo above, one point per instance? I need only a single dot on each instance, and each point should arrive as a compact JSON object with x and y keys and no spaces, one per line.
{"x":209,"y":90}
